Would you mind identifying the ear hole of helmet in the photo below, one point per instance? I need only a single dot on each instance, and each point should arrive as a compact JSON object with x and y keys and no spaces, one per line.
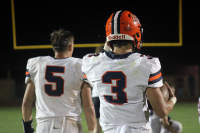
{"x":137,"y":35}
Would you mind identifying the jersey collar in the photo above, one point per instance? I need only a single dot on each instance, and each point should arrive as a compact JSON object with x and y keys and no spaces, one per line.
{"x":60,"y":58}
{"x":115,"y":56}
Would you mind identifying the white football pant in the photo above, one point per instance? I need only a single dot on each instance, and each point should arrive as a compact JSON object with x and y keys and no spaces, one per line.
{"x":127,"y":129}
{"x":58,"y":125}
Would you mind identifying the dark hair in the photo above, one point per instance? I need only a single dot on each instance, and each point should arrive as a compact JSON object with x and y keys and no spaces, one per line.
{"x":60,"y":39}
{"x":119,"y":43}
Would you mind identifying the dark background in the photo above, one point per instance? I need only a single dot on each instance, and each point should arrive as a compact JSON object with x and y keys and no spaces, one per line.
{"x":35,"y":21}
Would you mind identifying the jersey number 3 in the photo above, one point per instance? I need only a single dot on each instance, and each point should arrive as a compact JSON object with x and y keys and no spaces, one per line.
{"x":118,"y":89}
{"x":54,"y":79}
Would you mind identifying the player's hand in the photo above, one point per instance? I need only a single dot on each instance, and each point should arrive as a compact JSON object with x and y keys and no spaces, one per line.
{"x":165,"y":122}
{"x":28,"y":127}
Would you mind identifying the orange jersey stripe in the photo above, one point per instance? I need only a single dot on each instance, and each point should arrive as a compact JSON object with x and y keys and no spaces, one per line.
{"x":155,"y":77}
{"x":84,"y":76}
{"x":27,"y":73}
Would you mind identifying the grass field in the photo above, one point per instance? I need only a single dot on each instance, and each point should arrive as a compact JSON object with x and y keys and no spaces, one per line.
{"x":186,"y":113}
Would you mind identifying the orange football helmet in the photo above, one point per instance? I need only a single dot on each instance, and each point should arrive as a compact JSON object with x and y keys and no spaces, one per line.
{"x":123,"y":25}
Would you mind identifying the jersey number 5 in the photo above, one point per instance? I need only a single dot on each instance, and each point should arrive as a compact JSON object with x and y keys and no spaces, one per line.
{"x":118,"y":89}
{"x":53,"y":79}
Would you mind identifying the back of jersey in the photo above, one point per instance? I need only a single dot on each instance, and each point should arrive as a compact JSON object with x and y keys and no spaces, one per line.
{"x":57,"y":86}
{"x":121,"y":82}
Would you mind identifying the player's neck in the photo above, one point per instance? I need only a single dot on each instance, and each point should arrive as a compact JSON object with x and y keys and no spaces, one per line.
{"x":60,"y":55}
{"x":122,"y":50}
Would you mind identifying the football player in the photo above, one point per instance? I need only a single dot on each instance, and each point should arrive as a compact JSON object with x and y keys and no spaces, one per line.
{"x":54,"y":82}
{"x":124,"y":78}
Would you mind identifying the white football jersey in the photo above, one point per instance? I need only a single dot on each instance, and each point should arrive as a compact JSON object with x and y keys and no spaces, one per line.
{"x":57,"y":85}
{"x":120,"y":82}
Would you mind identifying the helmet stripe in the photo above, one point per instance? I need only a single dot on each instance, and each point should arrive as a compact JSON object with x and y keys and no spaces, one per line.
{"x":118,"y":22}
{"x":116,"y":18}
{"x":112,"y":24}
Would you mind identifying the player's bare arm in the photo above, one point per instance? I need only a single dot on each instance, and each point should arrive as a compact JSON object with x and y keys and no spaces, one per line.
{"x":28,"y":100}
{"x":27,"y":105}
{"x":88,"y":107}
{"x":160,"y":106}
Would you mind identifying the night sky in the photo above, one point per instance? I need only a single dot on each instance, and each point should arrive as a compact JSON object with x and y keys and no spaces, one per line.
{"x":35,"y":21}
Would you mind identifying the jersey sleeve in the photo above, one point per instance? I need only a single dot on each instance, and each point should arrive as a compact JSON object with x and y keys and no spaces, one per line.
{"x":30,"y":69}
{"x":79,"y":69}
{"x":155,"y":77}
{"x":86,"y":68}
{"x":84,"y":77}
